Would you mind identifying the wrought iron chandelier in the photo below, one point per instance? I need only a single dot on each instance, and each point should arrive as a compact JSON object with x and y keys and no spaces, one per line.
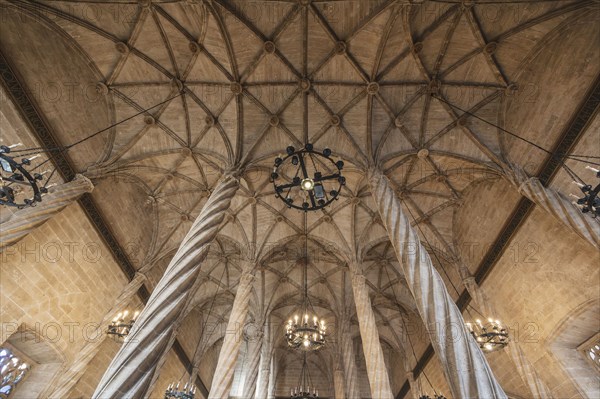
{"x":491,"y":336}
{"x":173,"y":392}
{"x":120,"y":326}
{"x":436,"y":396}
{"x":306,"y":332}
{"x":589,"y":203}
{"x":305,"y":389}
{"x":306,"y":179}
{"x":20,"y":183}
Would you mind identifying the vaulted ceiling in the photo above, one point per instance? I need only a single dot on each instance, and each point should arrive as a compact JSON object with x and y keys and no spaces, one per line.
{"x":193,"y":89}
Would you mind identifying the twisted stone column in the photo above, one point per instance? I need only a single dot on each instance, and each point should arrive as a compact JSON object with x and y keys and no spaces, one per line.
{"x":350,"y":371}
{"x":376,"y":368}
{"x":25,"y":220}
{"x":557,"y":205}
{"x":262,"y":390}
{"x":223,"y":377}
{"x":339,"y":384}
{"x":253,"y":359}
{"x":414,"y":385}
{"x":525,"y":369}
{"x":273,"y":377}
{"x":69,"y":378}
{"x":132,"y":369}
{"x":465,"y":366}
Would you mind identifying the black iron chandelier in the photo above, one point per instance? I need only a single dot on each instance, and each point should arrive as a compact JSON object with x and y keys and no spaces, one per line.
{"x":434,"y":397}
{"x":589,"y":203}
{"x":306,"y":179}
{"x":490,"y":336}
{"x":173,"y":392}
{"x":20,"y":183}
{"x":121,"y":325}
{"x":305,"y":389}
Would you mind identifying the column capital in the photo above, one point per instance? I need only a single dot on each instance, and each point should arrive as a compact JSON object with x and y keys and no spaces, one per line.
{"x":468,"y":280}
{"x":247,"y":277}
{"x":373,"y":172}
{"x":358,"y":279}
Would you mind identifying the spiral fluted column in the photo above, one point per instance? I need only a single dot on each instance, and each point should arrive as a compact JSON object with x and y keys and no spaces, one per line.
{"x":132,"y":369}
{"x":465,"y":367}
{"x":262,"y":390}
{"x":71,"y":376}
{"x":25,"y":220}
{"x":415,"y":390}
{"x":252,"y":365}
{"x":557,"y":205}
{"x":350,"y":370}
{"x":537,"y":387}
{"x":376,"y":369}
{"x":339,"y":388}
{"x":223,"y":377}
{"x":272,"y":377}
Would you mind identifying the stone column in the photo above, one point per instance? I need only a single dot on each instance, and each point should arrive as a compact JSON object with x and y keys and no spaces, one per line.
{"x":466,"y":369}
{"x":557,"y":205}
{"x":525,"y":369}
{"x":223,"y":377}
{"x":376,"y":368}
{"x":415,"y":389}
{"x":25,"y":220}
{"x":350,"y":371}
{"x":339,"y":384}
{"x":265,"y":364}
{"x":71,"y":376}
{"x":130,"y":373}
{"x":273,"y":377}
{"x":255,"y":344}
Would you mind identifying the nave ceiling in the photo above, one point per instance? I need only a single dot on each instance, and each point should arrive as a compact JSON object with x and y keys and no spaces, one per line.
{"x":233,"y":83}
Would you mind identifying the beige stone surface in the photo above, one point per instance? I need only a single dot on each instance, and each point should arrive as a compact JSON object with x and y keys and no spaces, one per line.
{"x":354,"y":76}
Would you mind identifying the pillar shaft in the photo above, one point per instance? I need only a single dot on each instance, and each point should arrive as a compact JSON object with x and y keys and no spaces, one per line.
{"x":376,"y":368}
{"x":465,"y":366}
{"x":350,"y":370}
{"x":529,"y":375}
{"x":130,"y":373}
{"x":265,"y":365}
{"x":273,"y":377}
{"x":338,"y":384}
{"x":223,"y":377}
{"x":25,"y":220}
{"x":71,"y":376}
{"x":414,"y":385}
{"x":252,"y":366}
{"x":555,"y":204}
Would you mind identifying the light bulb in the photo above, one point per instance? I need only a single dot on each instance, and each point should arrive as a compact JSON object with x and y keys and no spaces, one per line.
{"x":307,"y":184}
{"x":488,"y":346}
{"x":306,"y":343}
